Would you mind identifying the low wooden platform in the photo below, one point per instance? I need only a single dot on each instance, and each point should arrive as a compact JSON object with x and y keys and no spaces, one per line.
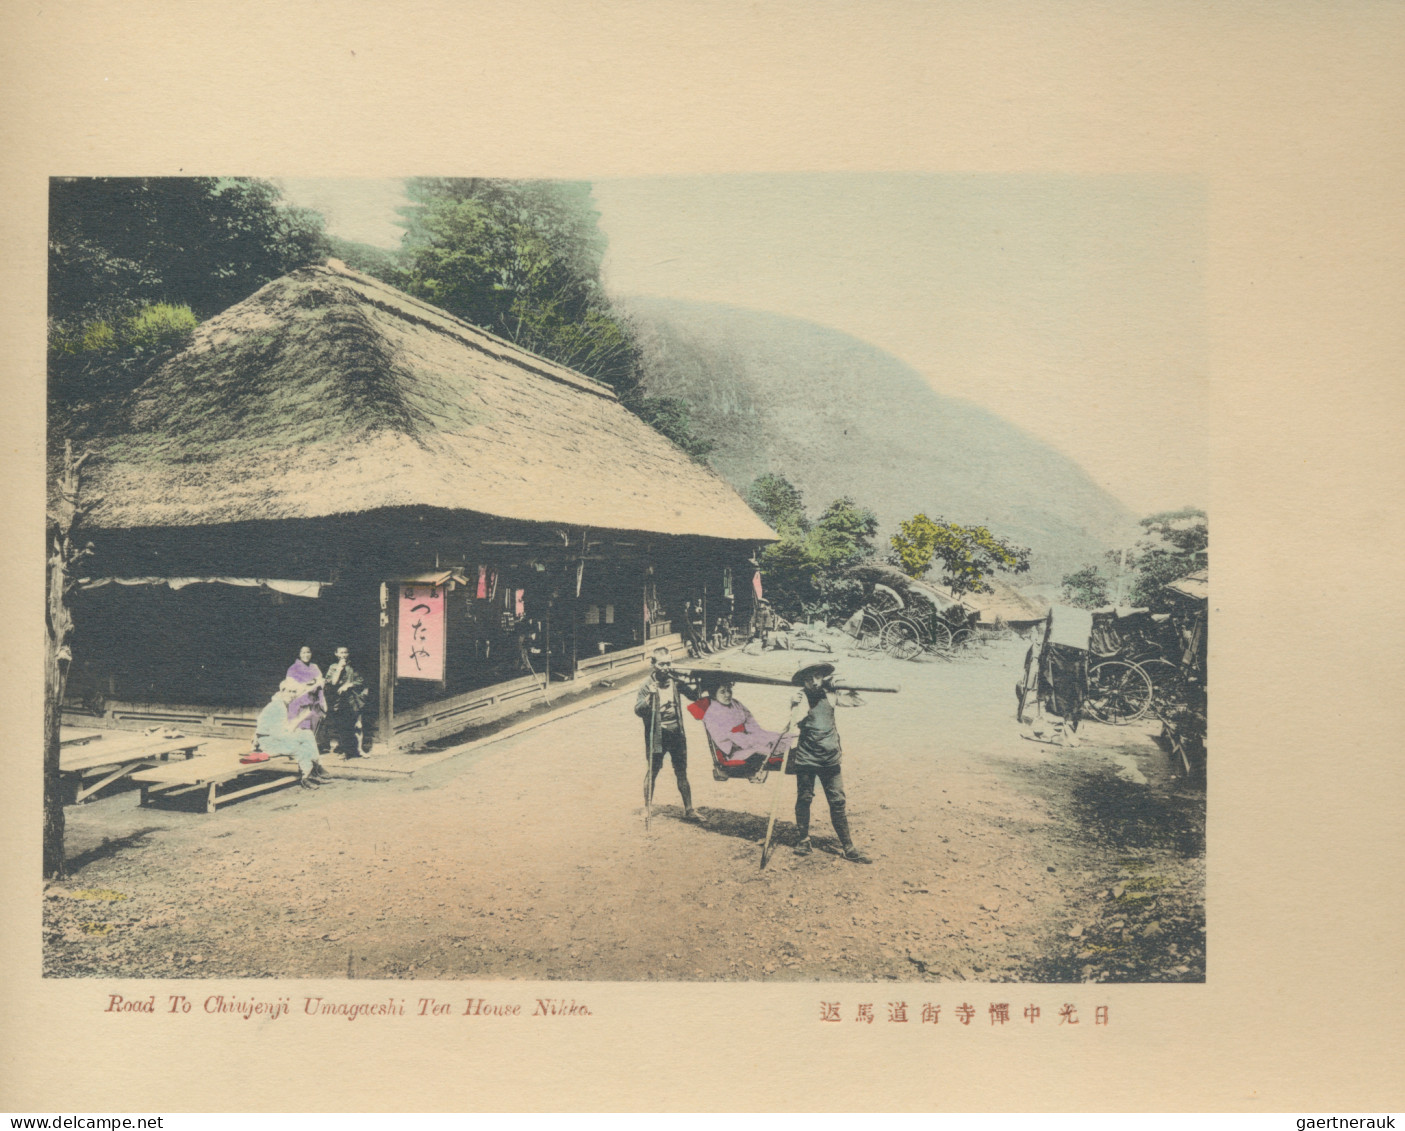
{"x":109,"y":756}
{"x":210,"y":771}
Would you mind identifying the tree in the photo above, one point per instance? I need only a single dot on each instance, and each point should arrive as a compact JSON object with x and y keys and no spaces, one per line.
{"x":843,"y":535}
{"x":1086,"y":588}
{"x":121,"y":242}
{"x":522,"y":259}
{"x":109,"y":356}
{"x":968,"y":554}
{"x":64,"y":557}
{"x":135,"y":262}
{"x":779,"y":503}
{"x":804,"y":571}
{"x":1176,"y":543}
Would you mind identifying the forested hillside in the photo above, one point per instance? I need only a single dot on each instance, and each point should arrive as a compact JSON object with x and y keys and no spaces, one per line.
{"x":838,"y":417}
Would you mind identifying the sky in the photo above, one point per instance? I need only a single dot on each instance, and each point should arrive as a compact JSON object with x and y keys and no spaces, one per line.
{"x":1073,"y":307}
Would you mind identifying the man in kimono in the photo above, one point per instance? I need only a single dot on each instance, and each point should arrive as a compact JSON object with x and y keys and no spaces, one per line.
{"x":658,"y":704}
{"x":346,"y":698}
{"x":817,"y":754}
{"x":736,"y":733}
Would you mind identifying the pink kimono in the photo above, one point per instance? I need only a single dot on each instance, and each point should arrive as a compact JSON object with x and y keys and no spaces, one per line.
{"x":738,"y":735}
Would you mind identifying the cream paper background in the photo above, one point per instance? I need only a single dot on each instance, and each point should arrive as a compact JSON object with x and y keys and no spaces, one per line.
{"x":1291,"y":112}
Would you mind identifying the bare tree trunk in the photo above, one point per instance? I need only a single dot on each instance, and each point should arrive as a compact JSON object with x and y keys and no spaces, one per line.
{"x":59,"y":625}
{"x":62,"y":559}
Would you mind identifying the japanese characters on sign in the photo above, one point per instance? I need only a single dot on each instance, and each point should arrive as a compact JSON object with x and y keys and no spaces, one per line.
{"x":419,"y":650}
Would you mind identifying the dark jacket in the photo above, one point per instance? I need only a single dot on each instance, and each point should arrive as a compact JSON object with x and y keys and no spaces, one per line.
{"x":670,"y":711}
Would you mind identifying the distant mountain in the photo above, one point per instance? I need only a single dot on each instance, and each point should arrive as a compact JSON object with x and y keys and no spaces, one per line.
{"x":838,"y":417}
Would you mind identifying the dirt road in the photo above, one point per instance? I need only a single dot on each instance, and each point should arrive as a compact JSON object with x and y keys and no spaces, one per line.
{"x":994,"y":859}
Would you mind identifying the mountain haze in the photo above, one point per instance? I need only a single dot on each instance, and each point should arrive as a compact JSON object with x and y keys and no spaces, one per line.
{"x":836,"y":416}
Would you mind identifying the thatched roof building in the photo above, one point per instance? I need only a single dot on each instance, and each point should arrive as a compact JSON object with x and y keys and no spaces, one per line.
{"x":330,"y":448}
{"x":328,"y":392}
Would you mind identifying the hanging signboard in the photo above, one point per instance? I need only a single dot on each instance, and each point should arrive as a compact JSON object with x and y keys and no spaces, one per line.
{"x":419,"y":651}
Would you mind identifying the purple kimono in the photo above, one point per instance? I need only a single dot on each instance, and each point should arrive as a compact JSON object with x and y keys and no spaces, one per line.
{"x":307,"y":674}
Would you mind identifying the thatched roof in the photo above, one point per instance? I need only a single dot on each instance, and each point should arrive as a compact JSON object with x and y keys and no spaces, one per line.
{"x":1007,"y":603}
{"x":910,"y":588}
{"x":1195,"y":585}
{"x":328,"y":392}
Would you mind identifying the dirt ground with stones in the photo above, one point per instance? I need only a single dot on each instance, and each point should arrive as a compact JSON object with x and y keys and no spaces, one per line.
{"x":994,"y":859}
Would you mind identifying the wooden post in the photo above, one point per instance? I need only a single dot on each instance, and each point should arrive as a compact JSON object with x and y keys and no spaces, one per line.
{"x":385,"y":719}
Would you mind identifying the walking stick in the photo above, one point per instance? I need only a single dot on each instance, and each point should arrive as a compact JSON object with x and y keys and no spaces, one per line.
{"x":649,"y":761}
{"x":775,"y":804}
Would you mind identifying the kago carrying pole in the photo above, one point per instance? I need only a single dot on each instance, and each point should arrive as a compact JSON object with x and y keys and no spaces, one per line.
{"x":775,"y":803}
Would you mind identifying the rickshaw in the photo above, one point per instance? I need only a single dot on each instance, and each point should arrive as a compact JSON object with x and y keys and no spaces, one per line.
{"x":1065,"y":676}
{"x":905,"y":618}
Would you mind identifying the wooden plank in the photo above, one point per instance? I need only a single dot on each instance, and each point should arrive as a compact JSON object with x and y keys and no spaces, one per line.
{"x":213,"y":798}
{"x":83,"y":759}
{"x":114,"y":747}
{"x":84,"y":792}
{"x":260,"y":787}
{"x":92,"y":757}
{"x":206,"y":768}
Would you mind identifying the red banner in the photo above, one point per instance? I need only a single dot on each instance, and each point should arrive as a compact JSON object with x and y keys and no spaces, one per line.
{"x":419,"y":652}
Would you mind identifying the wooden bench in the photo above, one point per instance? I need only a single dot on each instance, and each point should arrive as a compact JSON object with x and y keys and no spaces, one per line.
{"x":111,"y":755}
{"x":210,"y":771}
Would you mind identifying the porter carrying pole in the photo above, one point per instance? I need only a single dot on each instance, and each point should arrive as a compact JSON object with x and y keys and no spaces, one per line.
{"x":775,"y":804}
{"x":649,"y":757}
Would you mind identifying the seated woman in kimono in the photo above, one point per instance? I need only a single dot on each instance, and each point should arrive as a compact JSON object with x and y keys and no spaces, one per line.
{"x":741,"y":743}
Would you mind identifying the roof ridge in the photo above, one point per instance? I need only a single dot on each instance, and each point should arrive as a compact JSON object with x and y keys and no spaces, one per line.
{"x":551,"y":370}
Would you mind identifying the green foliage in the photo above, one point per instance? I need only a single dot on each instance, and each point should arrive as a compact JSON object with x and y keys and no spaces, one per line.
{"x":843,"y":535}
{"x":1176,"y":543}
{"x":968,"y":554}
{"x":159,"y":325}
{"x":104,"y":357}
{"x":522,"y":259}
{"x":95,"y":337}
{"x":134,"y":262}
{"x":803,"y":573}
{"x":1086,"y":588}
{"x":779,"y":503}
{"x":116,"y":243}
{"x":670,"y":416}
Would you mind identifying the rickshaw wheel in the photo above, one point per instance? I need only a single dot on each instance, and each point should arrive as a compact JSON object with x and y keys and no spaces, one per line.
{"x":940,"y":640}
{"x":871,"y":629}
{"x":1118,"y":692}
{"x":901,"y":639}
{"x":905,"y":650}
{"x":1164,"y":675}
